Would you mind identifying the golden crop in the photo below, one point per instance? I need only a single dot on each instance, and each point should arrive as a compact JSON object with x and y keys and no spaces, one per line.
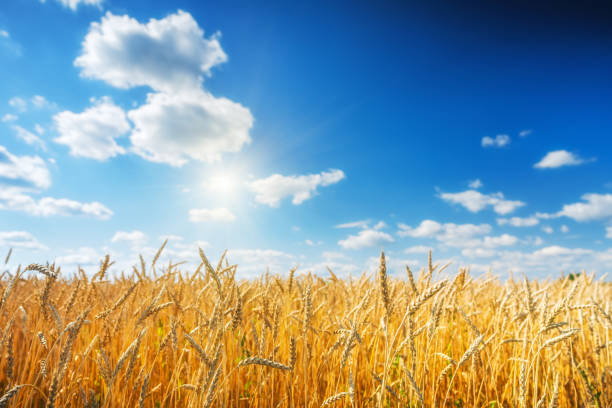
{"x":162,"y":337}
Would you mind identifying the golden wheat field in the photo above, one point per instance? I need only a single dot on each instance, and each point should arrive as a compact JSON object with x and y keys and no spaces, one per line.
{"x":166,"y":337}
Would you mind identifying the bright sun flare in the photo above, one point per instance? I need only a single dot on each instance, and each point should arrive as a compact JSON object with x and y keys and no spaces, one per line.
{"x":223,"y":184}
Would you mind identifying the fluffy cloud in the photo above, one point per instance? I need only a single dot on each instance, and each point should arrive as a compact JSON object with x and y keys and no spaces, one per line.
{"x":427,"y":228}
{"x":255,"y":262}
{"x":84,"y":256}
{"x":525,"y":133}
{"x":548,"y":229}
{"x":22,"y":175}
{"x":135,"y":238}
{"x":20,"y":239}
{"x":173,"y":128}
{"x":365,"y":239}
{"x":74,"y":4}
{"x":475,"y":201}
{"x":498,"y":141}
{"x":519,"y":222}
{"x":9,"y":117}
{"x":216,"y":214}
{"x":92,"y":133}
{"x":15,"y":199}
{"x":4,"y":33}
{"x":29,"y":137}
{"x":169,"y":54}
{"x":595,"y":207}
{"x":271,"y":190}
{"x":609,"y":232}
{"x":456,"y":235}
{"x":20,"y":104}
{"x":474,"y":184}
{"x":418,"y":249}
{"x":558,"y":158}
{"x":26,"y":172}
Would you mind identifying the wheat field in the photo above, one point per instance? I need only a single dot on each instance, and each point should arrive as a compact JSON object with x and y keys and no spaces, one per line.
{"x":160,"y":336}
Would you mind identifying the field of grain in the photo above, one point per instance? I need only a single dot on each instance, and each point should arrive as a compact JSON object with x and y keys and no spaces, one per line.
{"x":160,"y":336}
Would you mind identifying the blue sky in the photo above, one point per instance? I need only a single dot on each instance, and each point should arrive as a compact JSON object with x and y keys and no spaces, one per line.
{"x":307,"y":134}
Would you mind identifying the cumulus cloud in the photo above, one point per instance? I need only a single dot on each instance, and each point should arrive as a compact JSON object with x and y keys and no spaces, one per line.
{"x":427,"y":228}
{"x":365,"y":239}
{"x":418,"y":249}
{"x":4,"y":33}
{"x":558,"y":158}
{"x":525,"y":133}
{"x":84,"y":256}
{"x":15,"y":200}
{"x":609,"y":232}
{"x":20,"y":239}
{"x":173,"y":128}
{"x":476,"y":201}
{"x":271,"y":190}
{"x":548,"y":229}
{"x":74,"y":4}
{"x":519,"y":221}
{"x":255,"y":262}
{"x":215,"y":214}
{"x":564,"y":229}
{"x":456,"y":235}
{"x":474,"y":184}
{"x":497,"y":141}
{"x":169,"y":54}
{"x":93,"y":132}
{"x":18,"y":103}
{"x":26,"y":172}
{"x":135,"y":238}
{"x":594,"y":207}
{"x":9,"y":117}
{"x":29,"y":137}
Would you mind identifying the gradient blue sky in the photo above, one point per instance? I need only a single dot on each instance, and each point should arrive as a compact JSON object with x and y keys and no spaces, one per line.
{"x":307,"y":134}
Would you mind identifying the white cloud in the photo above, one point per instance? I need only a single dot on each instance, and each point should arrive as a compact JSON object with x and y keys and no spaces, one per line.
{"x":564,"y":229}
{"x":427,"y":228}
{"x":41,"y":102}
{"x":365,"y":239}
{"x":271,"y":190}
{"x":596,"y":207}
{"x":479,"y":252}
{"x":15,"y":199}
{"x":216,"y":214}
{"x":29,"y":137}
{"x":18,"y":103}
{"x":169,"y":54}
{"x":455,"y":235}
{"x":74,"y":4}
{"x":4,"y":33}
{"x":525,"y":133}
{"x":418,"y":249}
{"x":135,"y":238}
{"x":25,"y":172}
{"x":39,"y":129}
{"x":501,"y":240}
{"x":609,"y":232}
{"x":84,"y":256}
{"x":558,"y":158}
{"x":519,"y":222}
{"x":498,"y":141}
{"x":548,"y":229}
{"x":175,"y":127}
{"x":9,"y":117}
{"x":254,"y":262}
{"x":474,"y":184}
{"x":92,"y":133}
{"x":20,"y":239}
{"x":476,"y":201}
{"x":354,"y":224}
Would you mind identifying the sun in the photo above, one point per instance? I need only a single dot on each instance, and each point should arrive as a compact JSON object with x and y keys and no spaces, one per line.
{"x":223,"y":184}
